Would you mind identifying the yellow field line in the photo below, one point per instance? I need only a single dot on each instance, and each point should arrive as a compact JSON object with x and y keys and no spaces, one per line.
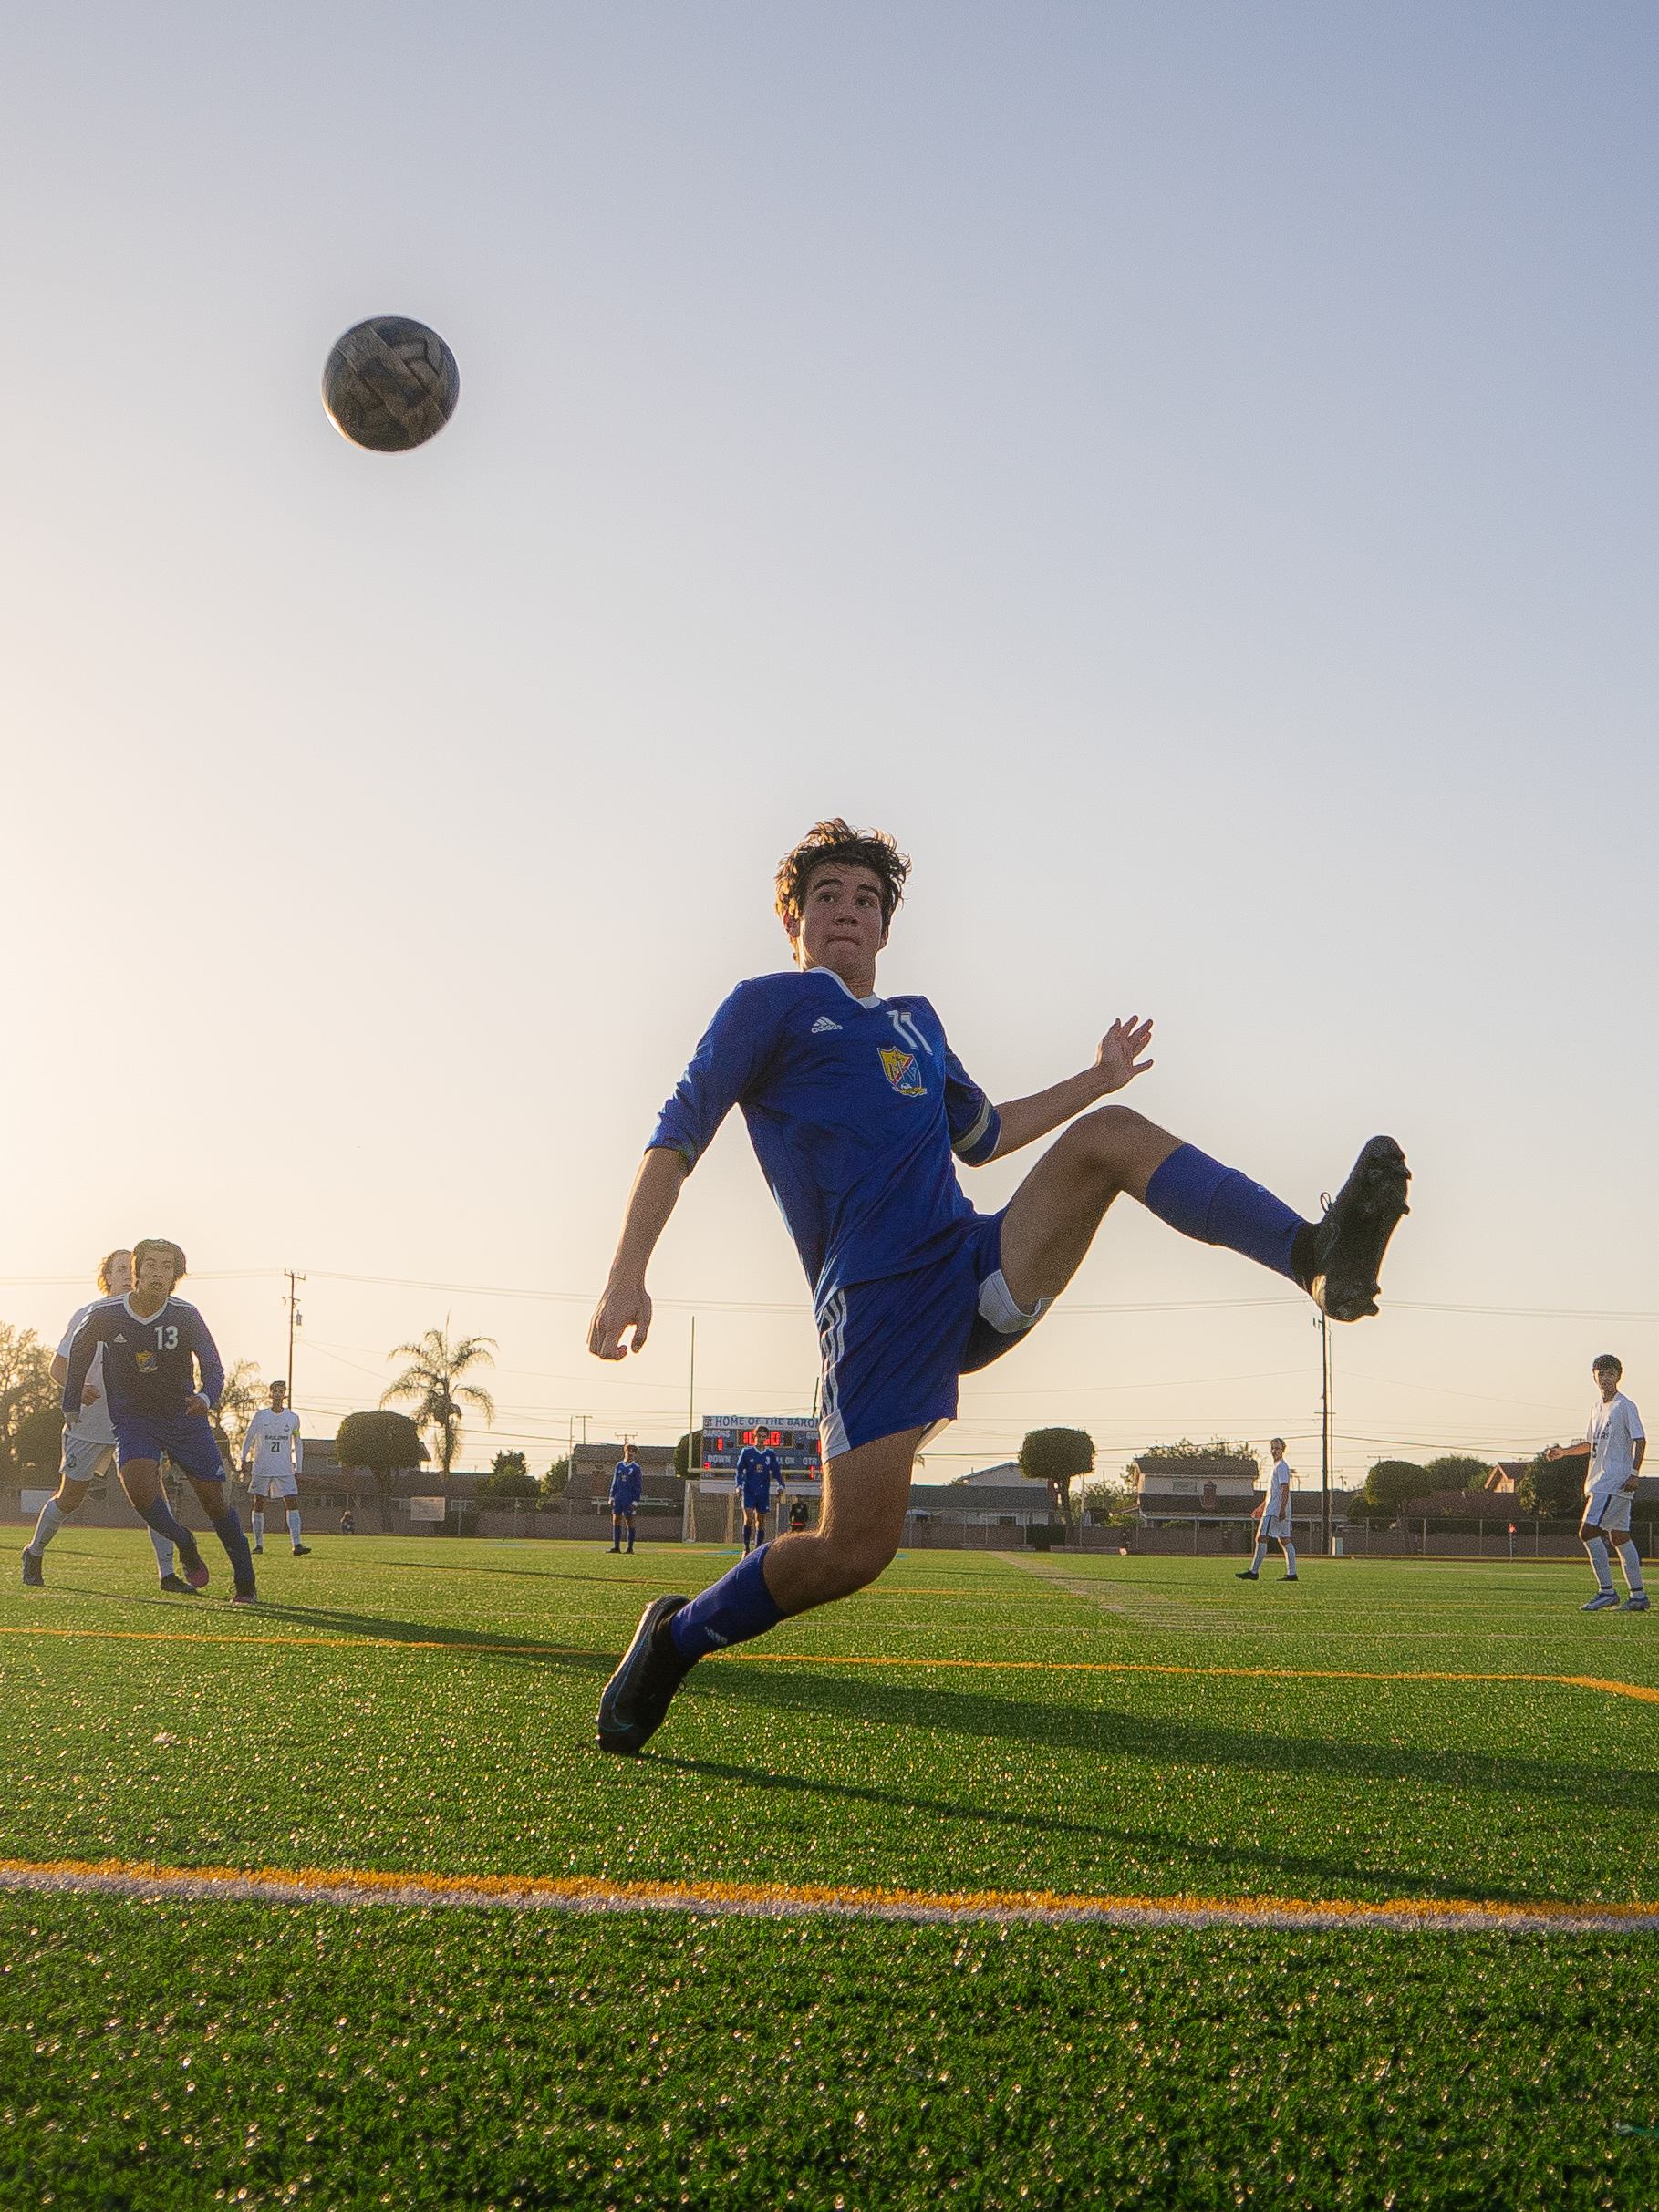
{"x":772,"y":1900}
{"x":822,"y":1658}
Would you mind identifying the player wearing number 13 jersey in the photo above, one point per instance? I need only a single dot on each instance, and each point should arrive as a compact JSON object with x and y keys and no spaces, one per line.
{"x":859,"y":1112}
{"x":153,"y":1343}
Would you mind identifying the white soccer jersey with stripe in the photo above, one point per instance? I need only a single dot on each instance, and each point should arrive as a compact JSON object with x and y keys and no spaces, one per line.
{"x":96,"y":1425}
{"x":271,"y":1444}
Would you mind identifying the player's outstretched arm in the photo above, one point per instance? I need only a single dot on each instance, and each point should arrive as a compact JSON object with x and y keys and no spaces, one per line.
{"x":1117,"y":1062}
{"x":627,"y":1304}
{"x":1582,"y":1450}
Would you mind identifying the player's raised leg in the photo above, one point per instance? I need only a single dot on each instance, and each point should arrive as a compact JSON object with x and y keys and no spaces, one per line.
{"x":1053,"y":1216}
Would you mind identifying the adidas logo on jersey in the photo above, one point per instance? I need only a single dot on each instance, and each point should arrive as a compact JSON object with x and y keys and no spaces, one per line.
{"x":822,"y":1023}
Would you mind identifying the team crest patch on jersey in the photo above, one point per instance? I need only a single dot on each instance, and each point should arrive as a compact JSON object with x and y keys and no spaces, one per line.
{"x":146,"y":1363}
{"x":901,"y":1071}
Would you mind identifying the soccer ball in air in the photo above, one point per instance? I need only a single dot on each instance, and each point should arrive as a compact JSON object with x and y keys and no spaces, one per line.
{"x":391,"y":384}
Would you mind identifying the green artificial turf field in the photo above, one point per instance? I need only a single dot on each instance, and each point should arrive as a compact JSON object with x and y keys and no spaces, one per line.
{"x":182,"y":2053}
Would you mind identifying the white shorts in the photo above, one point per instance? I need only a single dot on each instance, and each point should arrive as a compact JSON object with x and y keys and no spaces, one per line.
{"x":1609,"y":1510}
{"x":274,"y":1487}
{"x":86,"y":1455}
{"x":1277,"y":1530}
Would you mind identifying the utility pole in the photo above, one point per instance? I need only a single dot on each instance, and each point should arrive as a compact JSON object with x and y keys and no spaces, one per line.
{"x":691,"y":1450}
{"x":1325,"y":1436}
{"x":295,"y":1319}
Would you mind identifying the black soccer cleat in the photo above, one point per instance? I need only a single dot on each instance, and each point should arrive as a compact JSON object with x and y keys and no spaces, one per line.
{"x":301,"y":1551}
{"x":1338,"y":1259}
{"x":33,"y":1577}
{"x":177,"y":1584}
{"x":636,"y":1699}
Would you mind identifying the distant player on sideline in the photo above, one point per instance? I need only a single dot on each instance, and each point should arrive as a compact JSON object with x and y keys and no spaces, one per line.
{"x":152,"y":1343}
{"x":627,"y":1479}
{"x":89,"y":1447}
{"x":757,"y":1473}
{"x":856,"y":1105}
{"x":1617,"y":1444}
{"x":273,"y":1449}
{"x":1274,"y":1514}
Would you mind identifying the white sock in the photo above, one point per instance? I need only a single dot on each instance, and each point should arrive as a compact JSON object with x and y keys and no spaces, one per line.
{"x":1630,"y":1562}
{"x":51,"y":1520}
{"x":1261,"y":1553}
{"x":1290,"y":1558}
{"x":294,"y":1524}
{"x":1600,"y":1561}
{"x":259,"y":1528}
{"x":163,"y":1551}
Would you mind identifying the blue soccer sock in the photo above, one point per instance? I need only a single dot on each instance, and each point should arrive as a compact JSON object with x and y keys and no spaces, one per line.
{"x":1218,"y":1205}
{"x":730,"y":1611}
{"x":159,"y":1515}
{"x":229,"y":1532}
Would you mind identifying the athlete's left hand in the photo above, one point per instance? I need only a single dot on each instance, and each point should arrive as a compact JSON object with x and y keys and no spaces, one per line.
{"x":1116,"y":1062}
{"x":197,"y":1404}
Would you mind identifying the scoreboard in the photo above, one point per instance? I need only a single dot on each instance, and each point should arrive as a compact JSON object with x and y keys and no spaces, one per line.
{"x":794,"y":1437}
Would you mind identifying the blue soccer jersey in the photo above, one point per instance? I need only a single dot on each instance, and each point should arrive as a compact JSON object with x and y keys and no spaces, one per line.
{"x":855,"y":1107}
{"x":756,"y":1472}
{"x":625,"y":1483}
{"x":149,"y":1361}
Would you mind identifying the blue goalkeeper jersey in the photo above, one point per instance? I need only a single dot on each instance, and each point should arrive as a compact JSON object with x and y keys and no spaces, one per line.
{"x":757,"y":1473}
{"x":855,"y":1107}
{"x":148,"y":1362}
{"x":625,"y":1483}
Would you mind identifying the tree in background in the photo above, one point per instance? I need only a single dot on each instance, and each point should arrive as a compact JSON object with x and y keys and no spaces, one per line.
{"x":509,"y":1477}
{"x":238,"y":1402}
{"x":1057,"y":1456}
{"x":1390,"y":1487}
{"x":553,"y":1482}
{"x":433,"y":1380}
{"x":688,"y":1455}
{"x":1552,"y":1490}
{"x":1218,"y":1448}
{"x":26,"y":1392}
{"x":384,"y":1443}
{"x":1459,"y":1471}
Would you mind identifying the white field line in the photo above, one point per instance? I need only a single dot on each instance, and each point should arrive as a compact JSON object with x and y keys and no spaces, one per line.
{"x":767,"y":1901}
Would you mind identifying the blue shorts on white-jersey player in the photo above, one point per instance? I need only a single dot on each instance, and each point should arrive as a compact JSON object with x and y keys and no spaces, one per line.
{"x":893,"y":1350}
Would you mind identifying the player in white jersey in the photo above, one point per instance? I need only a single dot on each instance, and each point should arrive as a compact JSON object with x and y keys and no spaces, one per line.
{"x":1274,"y":1514}
{"x":272,"y":1451}
{"x":1616,"y":1445}
{"x":89,"y":1447}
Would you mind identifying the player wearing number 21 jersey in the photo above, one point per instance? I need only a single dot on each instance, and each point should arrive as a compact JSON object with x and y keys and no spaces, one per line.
{"x":860,"y":1114}
{"x":272,"y":1458}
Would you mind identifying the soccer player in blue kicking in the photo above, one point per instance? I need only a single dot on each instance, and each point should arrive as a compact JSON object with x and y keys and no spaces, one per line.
{"x":859,"y":1111}
{"x":153,"y":1345}
{"x":627,"y":1479}
{"x":757,"y":1473}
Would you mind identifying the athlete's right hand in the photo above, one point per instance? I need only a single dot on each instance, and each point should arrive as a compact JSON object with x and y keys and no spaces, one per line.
{"x":625,"y":1306}
{"x":90,"y":1394}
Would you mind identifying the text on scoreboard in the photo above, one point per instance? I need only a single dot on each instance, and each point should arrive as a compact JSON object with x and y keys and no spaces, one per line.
{"x":794,"y":1437}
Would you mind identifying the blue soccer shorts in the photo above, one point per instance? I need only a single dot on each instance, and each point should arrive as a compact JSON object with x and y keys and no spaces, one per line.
{"x":186,"y":1438}
{"x":757,"y":1501}
{"x":894,"y":1349}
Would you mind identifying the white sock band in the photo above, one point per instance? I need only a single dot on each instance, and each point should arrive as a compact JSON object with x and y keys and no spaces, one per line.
{"x":1631,"y":1560}
{"x":1600,"y":1561}
{"x":163,"y":1551}
{"x":293,"y":1523}
{"x":52,"y":1518}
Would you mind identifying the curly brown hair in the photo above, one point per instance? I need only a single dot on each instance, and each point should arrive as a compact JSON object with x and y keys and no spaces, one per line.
{"x":836,"y":840}
{"x":158,"y":1243}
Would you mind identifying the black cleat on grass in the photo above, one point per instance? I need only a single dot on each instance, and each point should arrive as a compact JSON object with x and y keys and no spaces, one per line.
{"x":636,"y":1699}
{"x":1339,"y":1259}
{"x":33,"y":1577}
{"x":301,"y":1551}
{"x":178,"y":1586}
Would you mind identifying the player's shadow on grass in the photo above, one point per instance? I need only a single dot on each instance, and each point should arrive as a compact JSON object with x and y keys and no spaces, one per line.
{"x":498,"y":1642}
{"x":1104,"y":1733}
{"x":1163,"y":1842}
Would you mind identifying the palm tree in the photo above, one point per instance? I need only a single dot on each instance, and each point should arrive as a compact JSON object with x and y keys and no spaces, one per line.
{"x":433,"y":1381}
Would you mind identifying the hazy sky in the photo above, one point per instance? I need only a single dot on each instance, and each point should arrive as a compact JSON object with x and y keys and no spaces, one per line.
{"x":1189,"y":471}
